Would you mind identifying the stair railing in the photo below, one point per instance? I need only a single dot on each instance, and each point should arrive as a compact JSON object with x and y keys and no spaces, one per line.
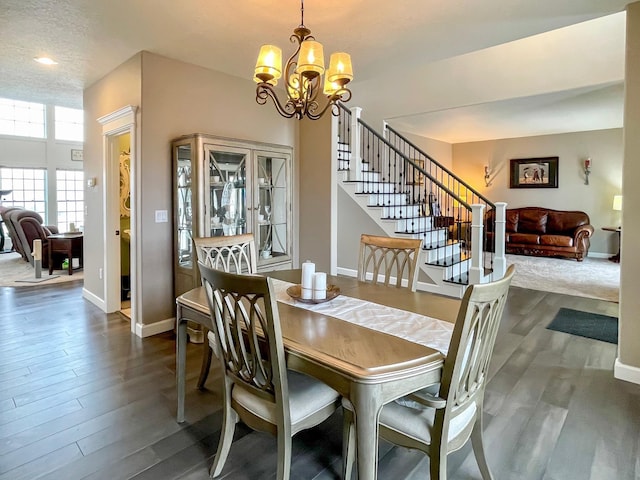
{"x":425,"y":196}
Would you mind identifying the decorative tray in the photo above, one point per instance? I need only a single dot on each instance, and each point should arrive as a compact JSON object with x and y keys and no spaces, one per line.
{"x":295,"y":292}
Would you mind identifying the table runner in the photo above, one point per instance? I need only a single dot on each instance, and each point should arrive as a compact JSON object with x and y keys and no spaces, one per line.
{"x":411,"y":326}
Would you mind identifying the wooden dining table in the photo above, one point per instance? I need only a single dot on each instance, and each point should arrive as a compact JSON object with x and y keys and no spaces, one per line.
{"x":368,"y":367}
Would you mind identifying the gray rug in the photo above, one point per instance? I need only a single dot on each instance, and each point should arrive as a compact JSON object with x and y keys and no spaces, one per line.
{"x":593,"y":278}
{"x":586,"y":324}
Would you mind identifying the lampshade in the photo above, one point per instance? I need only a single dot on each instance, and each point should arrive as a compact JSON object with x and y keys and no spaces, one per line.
{"x":310,"y":59}
{"x":340,"y":69}
{"x":617,"y":202}
{"x":330,"y":87}
{"x":269,"y":63}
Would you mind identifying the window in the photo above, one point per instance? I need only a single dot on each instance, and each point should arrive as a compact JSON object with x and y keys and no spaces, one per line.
{"x":70,"y":195}
{"x":69,"y":124}
{"x":28,"y":188}
{"x":23,"y":119}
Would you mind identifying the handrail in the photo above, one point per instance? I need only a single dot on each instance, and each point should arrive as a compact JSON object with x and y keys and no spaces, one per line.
{"x":432,"y":160}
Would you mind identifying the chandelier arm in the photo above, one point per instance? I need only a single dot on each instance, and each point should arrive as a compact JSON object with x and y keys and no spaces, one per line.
{"x":265,"y":91}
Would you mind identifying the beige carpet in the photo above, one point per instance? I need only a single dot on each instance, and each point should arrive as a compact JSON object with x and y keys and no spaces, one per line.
{"x":15,"y":272}
{"x":594,"y":277}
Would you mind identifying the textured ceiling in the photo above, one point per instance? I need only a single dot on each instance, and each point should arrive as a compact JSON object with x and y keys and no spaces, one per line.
{"x":91,"y":37}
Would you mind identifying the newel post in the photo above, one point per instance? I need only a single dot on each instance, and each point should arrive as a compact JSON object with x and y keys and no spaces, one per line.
{"x":500,"y":232}
{"x":355,"y":165}
{"x":476,"y":271}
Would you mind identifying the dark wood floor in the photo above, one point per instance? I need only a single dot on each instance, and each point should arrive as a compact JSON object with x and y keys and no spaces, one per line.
{"x":81,"y":397}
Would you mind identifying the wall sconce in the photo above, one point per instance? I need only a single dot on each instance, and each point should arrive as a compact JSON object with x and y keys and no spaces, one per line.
{"x":487,"y":176}
{"x":587,"y":170}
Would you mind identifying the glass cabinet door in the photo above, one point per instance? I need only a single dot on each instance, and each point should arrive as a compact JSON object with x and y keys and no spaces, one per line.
{"x":271,"y":231}
{"x":184,"y":175}
{"x":227,"y":197}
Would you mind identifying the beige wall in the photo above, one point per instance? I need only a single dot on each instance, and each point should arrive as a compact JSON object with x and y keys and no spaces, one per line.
{"x":120,"y":88}
{"x":175,"y":99}
{"x":596,"y":199}
{"x":629,"y":329}
{"x":316,"y":182}
{"x":352,"y":222}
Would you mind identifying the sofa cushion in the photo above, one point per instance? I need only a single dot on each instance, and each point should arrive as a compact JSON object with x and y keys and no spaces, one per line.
{"x":512,"y":221}
{"x":532,"y":221}
{"x":566,"y":222}
{"x":528,"y":238}
{"x":556,"y":240}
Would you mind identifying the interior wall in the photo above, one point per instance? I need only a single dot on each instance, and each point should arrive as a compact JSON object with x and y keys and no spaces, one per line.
{"x":604,"y":147}
{"x":178,"y":99}
{"x":352,"y":222}
{"x":316,"y":177}
{"x":118,"y":89}
{"x":629,"y":327}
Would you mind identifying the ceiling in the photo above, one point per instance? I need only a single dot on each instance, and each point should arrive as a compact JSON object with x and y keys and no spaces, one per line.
{"x":89,"y":38}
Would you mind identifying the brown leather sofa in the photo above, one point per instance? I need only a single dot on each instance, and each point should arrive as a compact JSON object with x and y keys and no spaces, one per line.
{"x":545,"y":232}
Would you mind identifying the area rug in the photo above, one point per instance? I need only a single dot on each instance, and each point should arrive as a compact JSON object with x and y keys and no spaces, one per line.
{"x":586,"y":324}
{"x":15,"y":272}
{"x":593,"y":277}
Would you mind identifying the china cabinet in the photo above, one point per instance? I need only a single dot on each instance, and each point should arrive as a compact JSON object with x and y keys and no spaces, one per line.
{"x":229,"y":187}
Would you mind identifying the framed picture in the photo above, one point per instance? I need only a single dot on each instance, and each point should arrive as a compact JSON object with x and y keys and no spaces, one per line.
{"x":534,"y":172}
{"x":418,"y":177}
{"x":76,"y":155}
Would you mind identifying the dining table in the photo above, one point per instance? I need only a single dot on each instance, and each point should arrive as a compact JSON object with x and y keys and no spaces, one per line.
{"x":356,"y":347}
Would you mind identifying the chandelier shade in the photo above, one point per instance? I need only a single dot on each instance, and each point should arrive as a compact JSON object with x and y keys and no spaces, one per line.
{"x":269,"y":63}
{"x":305,"y":76}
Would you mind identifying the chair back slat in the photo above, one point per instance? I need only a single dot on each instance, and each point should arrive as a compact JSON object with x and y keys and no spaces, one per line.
{"x":236,"y":253}
{"x":465,"y":370}
{"x":387,"y":258}
{"x":247,"y":330}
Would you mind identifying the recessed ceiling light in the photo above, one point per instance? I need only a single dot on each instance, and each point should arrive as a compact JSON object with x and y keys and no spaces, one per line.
{"x":45,"y":61}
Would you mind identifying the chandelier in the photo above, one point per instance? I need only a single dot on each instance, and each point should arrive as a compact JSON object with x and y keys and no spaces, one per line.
{"x":304,"y":75}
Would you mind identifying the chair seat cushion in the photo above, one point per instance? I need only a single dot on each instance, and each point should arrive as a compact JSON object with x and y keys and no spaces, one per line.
{"x":416,"y":421}
{"x":306,"y":396}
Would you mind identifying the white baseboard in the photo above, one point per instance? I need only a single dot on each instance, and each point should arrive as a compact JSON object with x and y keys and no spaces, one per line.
{"x":146,"y":330}
{"x":626,"y":372}
{"x":347,"y":272}
{"x":93,"y":298}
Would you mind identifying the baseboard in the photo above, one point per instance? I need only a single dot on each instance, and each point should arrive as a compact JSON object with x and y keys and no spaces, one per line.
{"x":347,"y":272}
{"x":599,"y":255}
{"x":146,"y":330}
{"x":626,"y":372}
{"x":93,"y":298}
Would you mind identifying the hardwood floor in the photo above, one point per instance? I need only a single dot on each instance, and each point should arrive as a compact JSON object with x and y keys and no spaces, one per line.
{"x":81,"y":397}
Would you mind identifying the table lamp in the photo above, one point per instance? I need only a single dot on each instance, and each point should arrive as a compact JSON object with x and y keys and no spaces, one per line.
{"x":617,"y":203}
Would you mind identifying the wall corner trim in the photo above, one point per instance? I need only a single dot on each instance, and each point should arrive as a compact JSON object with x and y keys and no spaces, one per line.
{"x":626,"y":372}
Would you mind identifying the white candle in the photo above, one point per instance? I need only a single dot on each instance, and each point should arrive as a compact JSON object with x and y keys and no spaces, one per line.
{"x":308,"y":269}
{"x":319,"y":286}
{"x":37,"y":249}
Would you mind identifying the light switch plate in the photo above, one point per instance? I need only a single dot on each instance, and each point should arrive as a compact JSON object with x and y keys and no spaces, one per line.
{"x":161,"y":216}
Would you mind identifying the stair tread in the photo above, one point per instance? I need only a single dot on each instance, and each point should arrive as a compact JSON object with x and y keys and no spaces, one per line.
{"x":451,"y":260}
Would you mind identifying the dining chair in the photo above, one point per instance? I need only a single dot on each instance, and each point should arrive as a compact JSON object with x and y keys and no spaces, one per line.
{"x":236,"y":254}
{"x":440,"y":419}
{"x":258,"y":388}
{"x":382,"y":259}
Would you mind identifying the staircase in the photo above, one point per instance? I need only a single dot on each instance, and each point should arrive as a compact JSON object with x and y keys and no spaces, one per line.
{"x":409,"y":194}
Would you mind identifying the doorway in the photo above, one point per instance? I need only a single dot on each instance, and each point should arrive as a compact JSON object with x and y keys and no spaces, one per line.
{"x":120,"y":205}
